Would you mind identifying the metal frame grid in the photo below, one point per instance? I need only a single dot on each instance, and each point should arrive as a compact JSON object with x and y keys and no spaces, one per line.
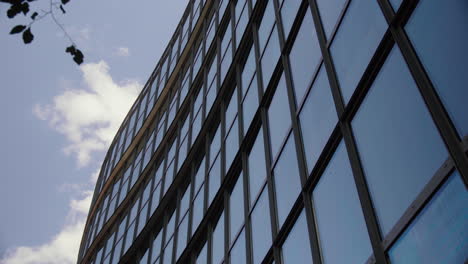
{"x":201,"y":237}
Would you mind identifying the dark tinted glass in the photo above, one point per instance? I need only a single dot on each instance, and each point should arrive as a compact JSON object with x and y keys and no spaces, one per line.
{"x":440,"y":233}
{"x":287,"y":180}
{"x":296,"y":248}
{"x":398,"y":143}
{"x":438,"y":32}
{"x":304,"y":57}
{"x":279,"y":116}
{"x":317,"y":118}
{"x":355,"y":42}
{"x":340,"y":222}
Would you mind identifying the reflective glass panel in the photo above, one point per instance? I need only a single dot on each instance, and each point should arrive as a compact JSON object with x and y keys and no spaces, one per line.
{"x":304,"y":57}
{"x":267,"y":23}
{"x":288,"y":12}
{"x":440,"y":233}
{"x":257,"y":166}
{"x":202,"y":257}
{"x":329,"y":13}
{"x":296,"y":248}
{"x":237,"y":253}
{"x":287,"y":180}
{"x":218,"y":241}
{"x":397,"y":141}
{"x":261,"y":228}
{"x":250,"y":104}
{"x":355,"y":42}
{"x":279,"y":116}
{"x":317,"y":118}
{"x":438,"y":32}
{"x":237,"y":207}
{"x":340,"y":222}
{"x":270,"y":57}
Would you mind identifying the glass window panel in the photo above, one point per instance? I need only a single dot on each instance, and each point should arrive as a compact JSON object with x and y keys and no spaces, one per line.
{"x":288,"y":12}
{"x":197,"y":210}
{"x":242,"y":24}
{"x":257,"y":166}
{"x":231,"y":109}
{"x":329,"y":13}
{"x":287,"y":180}
{"x":236,"y":206}
{"x":129,"y":236}
{"x":398,"y":143}
{"x":184,"y":201}
{"x":218,"y":241}
{"x":250,"y":104}
{"x":200,"y":176}
{"x":279,"y":116}
{"x":215,"y":144}
{"x":396,"y":4}
{"x":232,"y":144}
{"x":156,"y":248}
{"x":155,"y":199}
{"x":304,"y":57}
{"x":182,"y":236}
{"x":355,"y":42}
{"x":170,"y":225}
{"x":167,"y":259}
{"x":144,"y":259}
{"x":202,"y":257}
{"x":215,"y":179}
{"x":270,"y":57}
{"x":238,"y":254}
{"x":340,"y":222}
{"x":296,"y":248}
{"x":142,"y":218}
{"x":261,"y":228}
{"x":226,"y":63}
{"x":267,"y":23}
{"x":248,"y":71}
{"x":436,"y":30}
{"x":210,"y":97}
{"x":317,"y":118}
{"x":440,"y":233}
{"x":117,"y":252}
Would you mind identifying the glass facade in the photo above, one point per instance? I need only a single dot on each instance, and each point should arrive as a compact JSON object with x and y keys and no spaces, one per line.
{"x":289,"y":131}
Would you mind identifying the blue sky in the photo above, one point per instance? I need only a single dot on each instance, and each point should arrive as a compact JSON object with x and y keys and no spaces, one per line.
{"x":58,"y":119}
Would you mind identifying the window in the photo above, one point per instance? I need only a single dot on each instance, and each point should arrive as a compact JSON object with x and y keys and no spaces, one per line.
{"x":288,"y":12}
{"x":439,"y":234}
{"x":355,"y":42}
{"x":236,"y":207}
{"x":261,"y":229}
{"x":257,"y":166}
{"x":340,"y":222}
{"x":296,"y":248}
{"x":329,"y":13}
{"x":436,"y":30}
{"x":270,"y":57}
{"x":218,"y":241}
{"x":317,"y":119}
{"x":237,"y":253}
{"x":304,"y":56}
{"x":279,"y":116}
{"x":397,"y":141}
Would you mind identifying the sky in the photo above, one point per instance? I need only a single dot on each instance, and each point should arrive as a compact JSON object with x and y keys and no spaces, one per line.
{"x":58,"y":119}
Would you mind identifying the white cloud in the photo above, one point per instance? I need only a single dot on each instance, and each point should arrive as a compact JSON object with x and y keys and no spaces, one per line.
{"x":89,"y":117}
{"x":122,"y":52}
{"x":63,"y":247}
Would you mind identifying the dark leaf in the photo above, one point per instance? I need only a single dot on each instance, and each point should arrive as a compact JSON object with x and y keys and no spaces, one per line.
{"x":25,"y":8}
{"x":17,"y":29}
{"x":71,"y":50}
{"x":27,"y":36}
{"x":78,"y":58}
{"x":65,"y":1}
{"x":14,"y":10}
{"x":61,"y":8}
{"x":34,"y":15}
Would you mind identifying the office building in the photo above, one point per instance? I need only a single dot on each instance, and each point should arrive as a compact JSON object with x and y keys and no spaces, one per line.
{"x":288,"y":131}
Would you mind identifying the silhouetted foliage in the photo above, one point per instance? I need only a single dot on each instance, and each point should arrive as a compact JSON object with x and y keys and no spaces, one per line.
{"x":22,"y":6}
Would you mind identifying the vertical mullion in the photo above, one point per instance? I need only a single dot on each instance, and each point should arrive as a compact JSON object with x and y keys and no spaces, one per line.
{"x":361,"y":185}
{"x":433,"y":103}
